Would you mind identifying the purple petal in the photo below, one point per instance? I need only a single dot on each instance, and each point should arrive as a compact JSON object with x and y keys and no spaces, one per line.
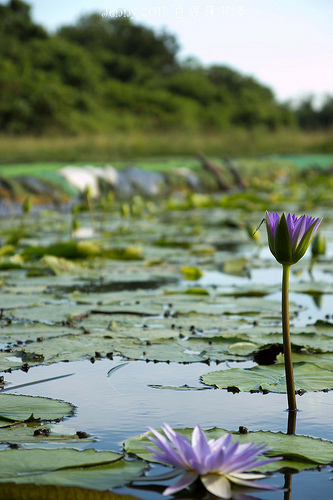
{"x":265,"y":461}
{"x":223,"y":441}
{"x":290,"y":224}
{"x":162,"y":443}
{"x":187,"y":479}
{"x":272,"y":219}
{"x":182,"y":445}
{"x":246,"y":459}
{"x":231,"y":452}
{"x":199,"y":444}
{"x":316,"y":227}
{"x":165,"y":458}
{"x":215,"y":461}
{"x":299,"y":231}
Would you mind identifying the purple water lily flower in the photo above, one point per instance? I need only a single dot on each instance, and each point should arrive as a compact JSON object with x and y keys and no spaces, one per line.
{"x":217,"y":462}
{"x":290,"y":236}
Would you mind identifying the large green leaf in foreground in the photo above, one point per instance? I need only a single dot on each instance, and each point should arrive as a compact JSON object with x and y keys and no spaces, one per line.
{"x":298,"y":452}
{"x":22,"y":420}
{"x":14,"y":491}
{"x":308,"y":377}
{"x":68,"y":467}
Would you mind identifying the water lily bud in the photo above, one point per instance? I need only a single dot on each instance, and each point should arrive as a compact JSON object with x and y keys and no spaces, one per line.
{"x":289,"y":236}
{"x":26,"y":205}
{"x":318,"y":245}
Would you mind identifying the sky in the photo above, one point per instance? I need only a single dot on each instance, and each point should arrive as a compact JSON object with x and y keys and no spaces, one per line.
{"x":285,"y":44}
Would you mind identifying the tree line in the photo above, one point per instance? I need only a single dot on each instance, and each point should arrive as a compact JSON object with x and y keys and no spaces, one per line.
{"x":112,"y":74}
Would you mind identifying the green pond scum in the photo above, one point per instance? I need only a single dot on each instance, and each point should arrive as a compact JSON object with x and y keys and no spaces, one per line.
{"x":169,"y":281}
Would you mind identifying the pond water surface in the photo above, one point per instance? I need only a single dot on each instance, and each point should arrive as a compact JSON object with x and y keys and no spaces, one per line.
{"x":114,"y":405}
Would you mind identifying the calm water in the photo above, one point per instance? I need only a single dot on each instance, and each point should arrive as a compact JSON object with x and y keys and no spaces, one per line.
{"x":122,"y":405}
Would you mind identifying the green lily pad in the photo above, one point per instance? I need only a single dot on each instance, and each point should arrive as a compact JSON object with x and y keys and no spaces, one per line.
{"x":67,"y":467}
{"x":66,"y":249}
{"x":323,"y":361}
{"x":298,"y":452}
{"x":238,"y":266}
{"x":14,"y":491}
{"x":307,"y":377}
{"x":36,"y":433}
{"x":20,"y":408}
{"x":60,"y":265}
{"x":128,"y":253}
{"x":191,"y":273}
{"x":197,"y":291}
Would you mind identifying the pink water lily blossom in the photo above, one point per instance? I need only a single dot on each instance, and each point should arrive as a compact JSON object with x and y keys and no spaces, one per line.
{"x":217,"y":462}
{"x":289,"y":236}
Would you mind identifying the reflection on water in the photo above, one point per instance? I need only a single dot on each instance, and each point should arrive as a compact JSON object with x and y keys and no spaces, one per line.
{"x":114,"y":404}
{"x":116,"y":407}
{"x":314,"y":307}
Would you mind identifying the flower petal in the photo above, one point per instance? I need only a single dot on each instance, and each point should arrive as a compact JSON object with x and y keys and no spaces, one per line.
{"x":251,"y":484}
{"x":182,"y":445}
{"x":282,"y":242}
{"x":306,"y":240}
{"x":199,"y":444}
{"x":170,"y":454}
{"x":299,"y":230}
{"x":270,"y":226}
{"x":221,"y":442}
{"x":247,"y":476}
{"x":217,"y":485}
{"x":188,"y":478}
{"x":215,"y":461}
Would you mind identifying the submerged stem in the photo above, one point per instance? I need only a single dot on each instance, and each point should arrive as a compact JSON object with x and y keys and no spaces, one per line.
{"x":286,"y":340}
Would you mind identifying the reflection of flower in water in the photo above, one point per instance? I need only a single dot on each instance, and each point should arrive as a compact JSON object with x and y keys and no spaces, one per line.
{"x":217,"y":462}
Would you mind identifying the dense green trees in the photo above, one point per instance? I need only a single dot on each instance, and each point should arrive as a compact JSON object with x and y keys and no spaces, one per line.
{"x":106,"y":74}
{"x":311,"y":117}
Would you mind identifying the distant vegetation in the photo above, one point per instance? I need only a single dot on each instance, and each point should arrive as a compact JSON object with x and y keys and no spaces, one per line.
{"x":103,"y":75}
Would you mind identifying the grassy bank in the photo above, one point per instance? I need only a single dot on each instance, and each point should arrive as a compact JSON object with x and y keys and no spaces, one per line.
{"x":126,"y":146}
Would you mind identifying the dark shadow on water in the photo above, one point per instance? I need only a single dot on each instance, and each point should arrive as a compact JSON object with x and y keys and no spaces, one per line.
{"x":114,"y":286}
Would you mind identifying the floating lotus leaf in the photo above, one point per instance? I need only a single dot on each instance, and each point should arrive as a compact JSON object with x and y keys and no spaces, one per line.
{"x":36,"y":491}
{"x":36,"y":433}
{"x":307,"y":377}
{"x":19,"y":408}
{"x":67,"y":467}
{"x":298,"y":452}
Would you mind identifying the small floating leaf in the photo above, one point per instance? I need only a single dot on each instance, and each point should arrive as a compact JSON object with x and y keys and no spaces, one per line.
{"x":20,"y":408}
{"x":307,"y":376}
{"x":14,"y":491}
{"x":192,"y":273}
{"x":197,"y":291}
{"x":128,"y":253}
{"x":68,"y":467}
{"x":238,"y":266}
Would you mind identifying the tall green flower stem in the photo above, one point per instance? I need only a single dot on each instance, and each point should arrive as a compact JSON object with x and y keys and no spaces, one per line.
{"x":286,"y":340}
{"x":288,"y":239}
